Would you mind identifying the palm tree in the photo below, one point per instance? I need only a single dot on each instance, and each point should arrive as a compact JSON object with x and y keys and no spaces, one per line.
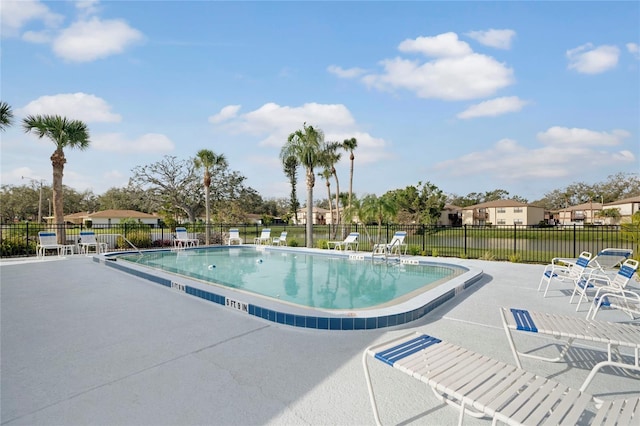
{"x":326,"y":175}
{"x":6,"y":116}
{"x":64,"y":133}
{"x":350,"y":145}
{"x":380,"y":209}
{"x":331,"y":156}
{"x":207,"y":160}
{"x":306,"y":146}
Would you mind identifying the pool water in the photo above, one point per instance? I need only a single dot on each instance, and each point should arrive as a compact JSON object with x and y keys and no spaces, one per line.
{"x":317,"y":281}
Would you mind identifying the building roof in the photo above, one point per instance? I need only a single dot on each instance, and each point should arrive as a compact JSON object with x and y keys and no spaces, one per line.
{"x":583,"y":206}
{"x":120,"y":214}
{"x":625,"y":201}
{"x":500,"y":203}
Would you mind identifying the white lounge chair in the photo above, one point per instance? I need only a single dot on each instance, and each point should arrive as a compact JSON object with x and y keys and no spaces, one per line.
{"x":483,"y":387}
{"x":234,"y":237}
{"x":395,"y":246}
{"x":594,"y":281}
{"x":560,"y":271}
{"x":627,"y":301}
{"x":569,"y":328}
{"x":48,"y":241}
{"x":264,"y":238}
{"x":88,"y":240}
{"x":610,"y":258}
{"x":348,"y":244}
{"x":281,"y":240}
{"x":183,"y":240}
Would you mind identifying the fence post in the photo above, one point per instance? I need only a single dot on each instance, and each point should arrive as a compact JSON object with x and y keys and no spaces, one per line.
{"x":515,"y":239}
{"x":574,"y":241}
{"x":465,"y":239}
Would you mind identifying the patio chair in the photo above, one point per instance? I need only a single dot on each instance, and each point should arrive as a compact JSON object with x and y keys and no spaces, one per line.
{"x":610,"y":258}
{"x":48,"y":241}
{"x":183,"y":240}
{"x":264,"y":238}
{"x":395,"y":246}
{"x":625,"y":300}
{"x":595,"y":281}
{"x":483,"y":387}
{"x":347,"y":244}
{"x":234,"y":237}
{"x":88,"y":240}
{"x":281,"y":240}
{"x":560,"y":271}
{"x":569,"y":328}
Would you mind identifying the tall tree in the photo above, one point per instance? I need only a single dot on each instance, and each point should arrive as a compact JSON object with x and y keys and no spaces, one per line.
{"x":174,"y":182}
{"x":207,"y":160}
{"x":306,"y":146}
{"x":331,"y":157}
{"x":64,"y":133}
{"x":326,"y":175}
{"x":291,"y":171}
{"x":350,"y":145}
{"x":6,"y":116}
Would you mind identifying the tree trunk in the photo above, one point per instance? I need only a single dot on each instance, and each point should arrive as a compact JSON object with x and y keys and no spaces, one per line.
{"x":207,"y":216}
{"x":309,"y":225}
{"x":57,"y":161}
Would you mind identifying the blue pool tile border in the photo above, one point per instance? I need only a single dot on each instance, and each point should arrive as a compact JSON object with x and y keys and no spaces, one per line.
{"x":302,"y":321}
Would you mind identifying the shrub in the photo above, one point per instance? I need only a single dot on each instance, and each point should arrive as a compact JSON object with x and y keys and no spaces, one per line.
{"x":17,"y":246}
{"x":435,"y":252}
{"x":293,"y":243}
{"x":515,"y":258}
{"x":140,"y":239}
{"x":415,"y":251}
{"x":322,"y":244}
{"x":487,"y":256}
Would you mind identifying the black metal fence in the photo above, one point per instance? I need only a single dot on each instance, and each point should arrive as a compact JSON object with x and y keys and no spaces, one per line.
{"x":497,"y":242}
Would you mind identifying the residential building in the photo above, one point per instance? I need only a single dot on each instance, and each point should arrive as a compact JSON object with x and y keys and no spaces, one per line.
{"x":627,"y":207}
{"x":585,"y":213}
{"x":502,"y":212}
{"x":320,"y":216}
{"x":111,"y":217}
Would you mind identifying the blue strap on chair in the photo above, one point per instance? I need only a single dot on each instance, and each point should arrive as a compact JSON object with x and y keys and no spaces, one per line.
{"x":391,"y":355}
{"x":523,"y":320}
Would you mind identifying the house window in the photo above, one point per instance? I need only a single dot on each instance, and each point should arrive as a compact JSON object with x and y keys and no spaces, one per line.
{"x":517,"y":222}
{"x":517,"y":209}
{"x":501,"y":222}
{"x":501,"y":210}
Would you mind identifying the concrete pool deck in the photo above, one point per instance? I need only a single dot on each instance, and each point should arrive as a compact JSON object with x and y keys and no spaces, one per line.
{"x":83,"y":344}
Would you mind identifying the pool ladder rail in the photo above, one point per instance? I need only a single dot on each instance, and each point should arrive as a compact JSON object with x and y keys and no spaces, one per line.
{"x":385,"y":250}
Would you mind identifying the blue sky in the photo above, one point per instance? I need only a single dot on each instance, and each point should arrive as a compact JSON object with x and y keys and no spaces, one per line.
{"x":471,"y":96}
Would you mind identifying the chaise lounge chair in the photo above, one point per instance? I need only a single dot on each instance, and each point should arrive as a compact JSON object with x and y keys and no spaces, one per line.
{"x":88,"y":240}
{"x":183,"y":240}
{"x":395,"y":246}
{"x":49,"y":241}
{"x":484,"y":387}
{"x":570,"y":329}
{"x":348,"y":244}
{"x":234,"y":237}
{"x":560,"y":271}
{"x":264,"y":238}
{"x":596,"y":281}
{"x":281,"y":240}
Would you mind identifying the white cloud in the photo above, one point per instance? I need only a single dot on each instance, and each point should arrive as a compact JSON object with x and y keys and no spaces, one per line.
{"x":274,"y":123}
{"x":581,"y":137}
{"x":499,"y":39}
{"x":39,"y":37}
{"x":493,"y":107}
{"x":345,"y":73}
{"x":226,"y":113}
{"x":588,"y":59}
{"x":93,"y":39}
{"x":634,"y":49}
{"x":455,"y":73}
{"x":508,"y":160}
{"x":87,"y":7}
{"x":14,"y":15}
{"x":117,"y":142}
{"x":442,"y":45}
{"x":453,"y":78}
{"x":76,"y":106}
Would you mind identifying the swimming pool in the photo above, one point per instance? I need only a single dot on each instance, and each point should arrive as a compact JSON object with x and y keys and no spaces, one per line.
{"x":305,"y":287}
